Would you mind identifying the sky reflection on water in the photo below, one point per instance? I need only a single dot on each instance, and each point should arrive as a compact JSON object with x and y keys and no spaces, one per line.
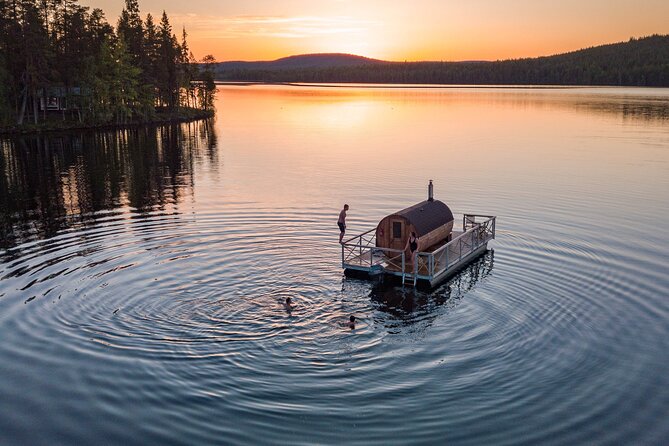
{"x":143,"y":273}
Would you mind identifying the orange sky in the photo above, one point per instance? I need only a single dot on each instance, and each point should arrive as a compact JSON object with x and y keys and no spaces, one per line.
{"x":403,"y":30}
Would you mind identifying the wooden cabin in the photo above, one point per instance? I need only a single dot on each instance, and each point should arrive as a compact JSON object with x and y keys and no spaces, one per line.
{"x":61,"y":98}
{"x":431,"y":220}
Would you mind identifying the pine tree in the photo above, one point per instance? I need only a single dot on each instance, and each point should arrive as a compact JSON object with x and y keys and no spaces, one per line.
{"x":187,"y":70}
{"x":147,"y":92}
{"x":35,"y":54}
{"x":130,"y":30}
{"x":167,"y":58}
{"x":207,"y":86}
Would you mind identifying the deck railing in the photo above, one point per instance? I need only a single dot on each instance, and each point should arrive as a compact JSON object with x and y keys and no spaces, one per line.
{"x":355,"y":246}
{"x":477,"y":231}
{"x":361,"y":251}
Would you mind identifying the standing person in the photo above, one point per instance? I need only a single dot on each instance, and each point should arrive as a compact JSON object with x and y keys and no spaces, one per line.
{"x":342,"y":222}
{"x":412,"y":245}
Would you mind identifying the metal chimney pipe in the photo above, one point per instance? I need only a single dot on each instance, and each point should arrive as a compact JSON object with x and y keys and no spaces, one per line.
{"x":430,"y":192}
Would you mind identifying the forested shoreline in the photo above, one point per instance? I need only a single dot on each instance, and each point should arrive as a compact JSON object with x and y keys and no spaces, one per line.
{"x":638,"y":62}
{"x":64,"y":66}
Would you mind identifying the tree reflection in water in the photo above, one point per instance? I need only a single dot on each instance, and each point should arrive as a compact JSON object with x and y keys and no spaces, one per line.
{"x":56,"y":182}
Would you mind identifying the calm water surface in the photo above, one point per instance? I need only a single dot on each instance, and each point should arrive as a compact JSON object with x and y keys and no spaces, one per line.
{"x":142,"y":273}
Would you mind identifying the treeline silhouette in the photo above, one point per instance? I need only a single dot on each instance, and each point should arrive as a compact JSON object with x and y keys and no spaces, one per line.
{"x":58,"y":57}
{"x":639,"y":62}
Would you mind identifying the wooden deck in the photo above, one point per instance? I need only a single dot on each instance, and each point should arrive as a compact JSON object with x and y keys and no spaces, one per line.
{"x":434,"y":264}
{"x":363,"y":260}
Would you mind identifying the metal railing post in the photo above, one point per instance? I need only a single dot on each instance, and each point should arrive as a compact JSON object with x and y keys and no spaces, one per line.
{"x":403,"y":268}
{"x":415,"y":269}
{"x":460,"y":246}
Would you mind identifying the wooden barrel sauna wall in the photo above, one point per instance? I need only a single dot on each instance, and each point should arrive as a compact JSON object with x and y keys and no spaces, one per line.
{"x":431,"y":220}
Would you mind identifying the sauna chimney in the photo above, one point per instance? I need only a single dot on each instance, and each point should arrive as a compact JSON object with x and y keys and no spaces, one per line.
{"x":430,"y":192}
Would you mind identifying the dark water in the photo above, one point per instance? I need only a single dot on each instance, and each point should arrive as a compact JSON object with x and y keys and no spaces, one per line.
{"x":142,"y":274}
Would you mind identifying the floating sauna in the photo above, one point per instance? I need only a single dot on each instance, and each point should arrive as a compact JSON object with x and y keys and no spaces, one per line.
{"x":431,"y":220}
{"x":442,"y":251}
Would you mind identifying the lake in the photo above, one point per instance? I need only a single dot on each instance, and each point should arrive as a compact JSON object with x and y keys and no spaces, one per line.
{"x":143,"y":273}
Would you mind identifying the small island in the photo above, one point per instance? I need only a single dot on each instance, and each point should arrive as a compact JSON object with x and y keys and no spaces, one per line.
{"x":65,"y":67}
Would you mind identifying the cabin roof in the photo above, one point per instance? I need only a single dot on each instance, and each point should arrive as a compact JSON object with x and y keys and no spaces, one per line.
{"x":427,"y":216}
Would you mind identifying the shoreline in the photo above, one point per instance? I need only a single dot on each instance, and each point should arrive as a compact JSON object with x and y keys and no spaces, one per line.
{"x":185,"y":115}
{"x":425,"y":86}
{"x":390,"y":85}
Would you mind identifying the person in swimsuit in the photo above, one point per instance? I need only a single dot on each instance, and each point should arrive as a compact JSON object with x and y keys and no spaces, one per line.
{"x":412,"y":245}
{"x":342,"y":222}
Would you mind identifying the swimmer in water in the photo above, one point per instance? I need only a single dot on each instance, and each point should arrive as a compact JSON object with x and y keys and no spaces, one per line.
{"x":288,"y":304}
{"x":351,"y":322}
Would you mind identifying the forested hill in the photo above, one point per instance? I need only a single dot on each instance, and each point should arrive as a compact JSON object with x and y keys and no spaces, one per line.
{"x":300,"y":62}
{"x":638,"y":62}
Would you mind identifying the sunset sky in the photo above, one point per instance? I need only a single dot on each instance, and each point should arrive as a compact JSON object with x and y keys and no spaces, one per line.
{"x":402,"y":30}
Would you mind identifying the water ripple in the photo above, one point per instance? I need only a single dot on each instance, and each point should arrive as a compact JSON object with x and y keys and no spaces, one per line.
{"x":158,"y":313}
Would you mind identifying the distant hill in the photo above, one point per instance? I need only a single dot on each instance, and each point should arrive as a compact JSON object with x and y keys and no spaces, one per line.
{"x":638,"y":62}
{"x":299,"y":62}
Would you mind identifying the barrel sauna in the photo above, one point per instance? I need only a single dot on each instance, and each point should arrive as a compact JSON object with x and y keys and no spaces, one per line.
{"x":431,"y":220}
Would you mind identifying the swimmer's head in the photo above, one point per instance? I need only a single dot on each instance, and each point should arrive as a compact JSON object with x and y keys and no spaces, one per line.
{"x":287,"y":300}
{"x":351,"y":319}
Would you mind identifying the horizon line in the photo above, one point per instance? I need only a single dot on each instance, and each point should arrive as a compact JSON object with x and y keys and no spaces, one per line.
{"x":631,"y":39}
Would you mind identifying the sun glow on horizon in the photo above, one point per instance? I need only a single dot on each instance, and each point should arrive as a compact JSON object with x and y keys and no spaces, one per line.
{"x":273,"y":37}
{"x":420,"y":30}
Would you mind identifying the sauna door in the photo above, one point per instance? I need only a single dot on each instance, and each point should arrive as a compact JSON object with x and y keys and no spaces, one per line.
{"x":397,"y":234}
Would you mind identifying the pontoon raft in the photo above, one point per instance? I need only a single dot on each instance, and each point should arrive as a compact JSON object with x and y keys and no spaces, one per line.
{"x":380,"y":252}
